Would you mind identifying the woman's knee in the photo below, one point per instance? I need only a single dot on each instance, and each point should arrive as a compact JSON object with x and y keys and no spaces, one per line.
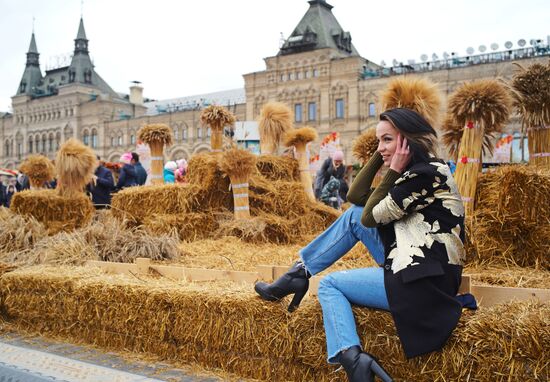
{"x":326,"y":286}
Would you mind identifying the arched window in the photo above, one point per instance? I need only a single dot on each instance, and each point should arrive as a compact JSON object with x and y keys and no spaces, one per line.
{"x":30,"y":145}
{"x":176,"y":134}
{"x":119,"y":140}
{"x":37,"y":144}
{"x":199,"y":132}
{"x":50,"y":143}
{"x":112,"y":141}
{"x":132,"y":139}
{"x":184,"y":133}
{"x":94,"y":138}
{"x":44,"y":139}
{"x":57,"y":140}
{"x":86,"y":138}
{"x":7,"y":149}
{"x":209,"y":132}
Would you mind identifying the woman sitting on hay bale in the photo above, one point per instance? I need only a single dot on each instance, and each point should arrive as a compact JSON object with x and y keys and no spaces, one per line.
{"x":413,"y":226}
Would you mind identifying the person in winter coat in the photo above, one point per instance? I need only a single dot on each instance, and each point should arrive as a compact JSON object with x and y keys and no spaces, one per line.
{"x":181,"y":171}
{"x":413,"y":226}
{"x":101,"y":187}
{"x":127,"y":176}
{"x":333,"y":166}
{"x":141,"y":174}
{"x":10,"y":190}
{"x":329,"y":195}
{"x":169,"y":170}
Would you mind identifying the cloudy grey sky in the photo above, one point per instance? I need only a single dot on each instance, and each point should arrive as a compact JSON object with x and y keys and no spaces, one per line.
{"x":181,"y":47}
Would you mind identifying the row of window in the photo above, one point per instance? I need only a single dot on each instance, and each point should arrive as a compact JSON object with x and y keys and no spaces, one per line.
{"x":312,"y":110}
{"x":47,"y":116}
{"x":299,"y":75}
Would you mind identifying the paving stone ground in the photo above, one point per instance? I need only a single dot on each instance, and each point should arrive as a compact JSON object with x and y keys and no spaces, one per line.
{"x":35,"y":359}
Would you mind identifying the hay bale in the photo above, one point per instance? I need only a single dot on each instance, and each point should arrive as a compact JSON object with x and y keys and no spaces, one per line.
{"x":56,"y":212}
{"x":512,"y":218}
{"x":135,"y":204}
{"x":204,"y":170}
{"x":225,"y":325}
{"x":274,"y":167}
{"x":190,"y":226}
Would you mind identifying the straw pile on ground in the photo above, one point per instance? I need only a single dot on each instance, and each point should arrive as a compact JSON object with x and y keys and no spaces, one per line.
{"x":39,"y":169}
{"x":281,"y":210}
{"x":18,"y":233}
{"x":56,"y":212}
{"x":224,"y":325}
{"x":512,"y":218}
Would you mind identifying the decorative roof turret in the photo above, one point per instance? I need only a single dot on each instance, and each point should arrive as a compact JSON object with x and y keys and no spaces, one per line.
{"x":32,"y":76}
{"x":81,"y":69}
{"x":319,"y":29}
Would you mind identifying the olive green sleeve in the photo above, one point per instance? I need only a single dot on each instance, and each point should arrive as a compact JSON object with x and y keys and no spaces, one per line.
{"x":360,"y":189}
{"x":377,"y":195}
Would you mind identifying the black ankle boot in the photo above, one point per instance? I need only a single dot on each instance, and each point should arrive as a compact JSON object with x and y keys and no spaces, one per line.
{"x":296,"y":281}
{"x":362,"y":367}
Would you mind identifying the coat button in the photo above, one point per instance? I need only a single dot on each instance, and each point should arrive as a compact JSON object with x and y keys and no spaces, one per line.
{"x":387,"y":267}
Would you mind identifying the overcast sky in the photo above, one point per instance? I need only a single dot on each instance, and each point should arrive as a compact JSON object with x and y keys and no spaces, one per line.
{"x":179,"y":48}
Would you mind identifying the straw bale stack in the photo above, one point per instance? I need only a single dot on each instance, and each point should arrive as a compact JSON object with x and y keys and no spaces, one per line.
{"x":531,"y":92}
{"x":275,"y":120}
{"x":274,"y":167}
{"x":157,"y":136}
{"x":512,"y":218}
{"x":217,"y":117}
{"x":226,"y":326}
{"x":39,"y":169}
{"x":415,"y":93}
{"x":56,"y":212}
{"x":283,"y":208}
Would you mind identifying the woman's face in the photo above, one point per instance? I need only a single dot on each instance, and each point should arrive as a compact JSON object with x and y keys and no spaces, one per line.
{"x":387,"y":140}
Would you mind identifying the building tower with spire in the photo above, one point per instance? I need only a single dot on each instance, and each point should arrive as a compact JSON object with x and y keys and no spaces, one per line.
{"x":32,"y":76}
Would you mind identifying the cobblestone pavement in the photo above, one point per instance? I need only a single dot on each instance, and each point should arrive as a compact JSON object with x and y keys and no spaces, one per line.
{"x":35,"y":359}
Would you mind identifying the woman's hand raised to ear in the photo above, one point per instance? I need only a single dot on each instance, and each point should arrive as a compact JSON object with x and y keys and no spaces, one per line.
{"x":402,"y":155}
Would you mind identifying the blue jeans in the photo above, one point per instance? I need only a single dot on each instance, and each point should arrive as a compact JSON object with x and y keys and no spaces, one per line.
{"x":338,"y":290}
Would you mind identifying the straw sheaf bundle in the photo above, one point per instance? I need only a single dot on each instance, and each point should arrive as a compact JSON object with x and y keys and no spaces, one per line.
{"x":415,"y":93}
{"x":275,"y":120}
{"x":225,"y":325}
{"x":217,"y":117}
{"x":156,"y":133}
{"x":238,"y":163}
{"x":485,"y":101}
{"x":299,"y":137}
{"x":365,"y":145}
{"x":75,"y":165}
{"x":531,"y":91}
{"x":39,"y":169}
{"x":512,"y":218}
{"x":452,"y":135}
{"x":274,"y":167}
{"x":56,"y":212}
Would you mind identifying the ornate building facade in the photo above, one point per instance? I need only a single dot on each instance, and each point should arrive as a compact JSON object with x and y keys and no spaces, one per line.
{"x":317,"y":72}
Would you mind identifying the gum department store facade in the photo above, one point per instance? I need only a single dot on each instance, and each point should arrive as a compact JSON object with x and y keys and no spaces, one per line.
{"x":317,"y":72}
